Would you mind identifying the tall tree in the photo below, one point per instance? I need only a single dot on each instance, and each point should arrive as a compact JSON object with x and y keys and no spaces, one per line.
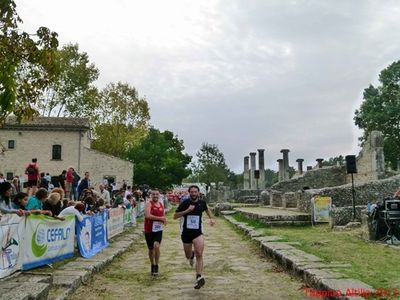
{"x":210,"y":166}
{"x":72,"y":93}
{"x":159,"y":160}
{"x":380,"y":110}
{"x":121,"y":119}
{"x":27,"y":64}
{"x":334,"y":161}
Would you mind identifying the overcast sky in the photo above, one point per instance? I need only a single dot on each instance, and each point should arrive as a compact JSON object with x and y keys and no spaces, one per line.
{"x":240,"y":74}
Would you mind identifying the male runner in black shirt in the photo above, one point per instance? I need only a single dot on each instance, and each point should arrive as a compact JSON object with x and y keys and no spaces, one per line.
{"x":192,"y":210}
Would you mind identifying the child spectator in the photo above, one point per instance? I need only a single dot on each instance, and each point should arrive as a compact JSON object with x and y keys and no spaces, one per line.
{"x":36,"y":202}
{"x":53,"y":204}
{"x":20,"y":201}
{"x":59,"y":191}
{"x":74,"y":209}
{"x":5,"y":202}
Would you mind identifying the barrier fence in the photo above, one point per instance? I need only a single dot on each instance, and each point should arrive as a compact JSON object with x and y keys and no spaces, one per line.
{"x":36,"y":240}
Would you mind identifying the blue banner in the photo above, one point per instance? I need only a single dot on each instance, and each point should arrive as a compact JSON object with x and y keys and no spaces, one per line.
{"x":91,"y":234}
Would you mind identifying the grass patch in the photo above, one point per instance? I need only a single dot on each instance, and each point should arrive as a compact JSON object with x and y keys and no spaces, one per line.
{"x":373,"y":263}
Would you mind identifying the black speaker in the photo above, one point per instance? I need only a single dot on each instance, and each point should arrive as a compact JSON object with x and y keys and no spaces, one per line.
{"x":257,"y":174}
{"x":351,"y":165}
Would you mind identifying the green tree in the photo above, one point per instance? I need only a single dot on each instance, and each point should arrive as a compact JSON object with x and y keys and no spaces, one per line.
{"x":271,"y":177}
{"x":27,"y":64}
{"x":121,"y":119}
{"x":334,"y":161}
{"x":210,"y":165}
{"x":159,"y":160}
{"x":380,"y":110}
{"x":72,"y":93}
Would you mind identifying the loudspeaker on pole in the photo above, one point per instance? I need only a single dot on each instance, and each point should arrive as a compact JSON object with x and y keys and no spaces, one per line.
{"x":351,"y":164}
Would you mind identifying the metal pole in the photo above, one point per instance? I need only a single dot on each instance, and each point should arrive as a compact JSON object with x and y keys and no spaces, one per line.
{"x":354,"y":197}
{"x":258,"y":194}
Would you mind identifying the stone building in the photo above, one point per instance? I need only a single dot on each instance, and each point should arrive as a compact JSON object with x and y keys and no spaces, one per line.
{"x":57,"y":143}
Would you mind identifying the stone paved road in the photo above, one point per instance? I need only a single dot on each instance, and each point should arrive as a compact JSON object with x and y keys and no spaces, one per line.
{"x":234,"y":269}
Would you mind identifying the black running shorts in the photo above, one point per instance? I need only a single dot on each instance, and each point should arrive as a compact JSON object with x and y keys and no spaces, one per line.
{"x":152,"y":237}
{"x":188,"y":236}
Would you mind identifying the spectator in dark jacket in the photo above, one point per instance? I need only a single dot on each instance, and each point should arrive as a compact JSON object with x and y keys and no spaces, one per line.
{"x":84,"y":184}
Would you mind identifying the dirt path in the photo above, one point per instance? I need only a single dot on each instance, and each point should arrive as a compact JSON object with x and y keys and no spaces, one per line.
{"x":234,"y":269}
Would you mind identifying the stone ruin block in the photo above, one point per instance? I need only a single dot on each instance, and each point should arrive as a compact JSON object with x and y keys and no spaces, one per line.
{"x":289,"y":200}
{"x":276,"y":199}
{"x":340,"y":216}
{"x":265,"y":198}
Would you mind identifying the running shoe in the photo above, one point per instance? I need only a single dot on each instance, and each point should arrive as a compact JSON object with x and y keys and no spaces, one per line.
{"x":200,"y":281}
{"x":156,"y":270}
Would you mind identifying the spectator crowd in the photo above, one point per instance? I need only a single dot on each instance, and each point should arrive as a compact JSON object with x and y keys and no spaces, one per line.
{"x":67,"y":193}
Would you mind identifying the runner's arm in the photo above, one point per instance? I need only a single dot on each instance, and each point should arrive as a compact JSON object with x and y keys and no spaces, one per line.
{"x":179,"y":214}
{"x":211,"y":216}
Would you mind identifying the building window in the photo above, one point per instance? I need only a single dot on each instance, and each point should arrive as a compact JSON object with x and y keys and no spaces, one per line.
{"x":10,"y":176}
{"x":56,"y":152}
{"x":11,"y":144}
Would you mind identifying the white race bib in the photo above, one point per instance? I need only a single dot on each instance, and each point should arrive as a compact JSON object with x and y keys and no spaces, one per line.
{"x":157,"y":226}
{"x":193,"y":222}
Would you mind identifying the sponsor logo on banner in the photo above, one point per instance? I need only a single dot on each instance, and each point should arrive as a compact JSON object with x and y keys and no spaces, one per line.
{"x":48,"y":240}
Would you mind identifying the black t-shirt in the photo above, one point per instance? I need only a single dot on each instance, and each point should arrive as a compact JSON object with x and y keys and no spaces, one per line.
{"x":192,"y":221}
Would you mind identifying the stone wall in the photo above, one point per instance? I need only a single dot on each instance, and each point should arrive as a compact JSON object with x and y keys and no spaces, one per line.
{"x":364,"y":193}
{"x":314,"y":179}
{"x":242,"y":195}
{"x":35,"y":143}
{"x":222,"y":194}
{"x":340,"y":216}
{"x":370,"y":160}
{"x":100,"y":164}
{"x":76,"y":152}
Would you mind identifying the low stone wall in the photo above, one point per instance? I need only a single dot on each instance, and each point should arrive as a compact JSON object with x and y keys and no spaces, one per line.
{"x":314,"y":179}
{"x":242,"y":194}
{"x":289,"y":200}
{"x":221,"y":195}
{"x":342,"y":195}
{"x":265,"y":198}
{"x":276,"y":199}
{"x":340,"y":216}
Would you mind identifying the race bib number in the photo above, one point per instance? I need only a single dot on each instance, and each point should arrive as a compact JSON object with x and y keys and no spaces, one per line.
{"x":157,"y":226}
{"x":193,"y":222}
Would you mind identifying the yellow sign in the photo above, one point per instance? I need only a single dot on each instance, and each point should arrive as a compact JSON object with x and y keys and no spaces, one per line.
{"x":322,"y":206}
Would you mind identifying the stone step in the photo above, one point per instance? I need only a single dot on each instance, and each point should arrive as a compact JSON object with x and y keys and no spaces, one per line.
{"x":287,"y":223}
{"x":278,"y":217}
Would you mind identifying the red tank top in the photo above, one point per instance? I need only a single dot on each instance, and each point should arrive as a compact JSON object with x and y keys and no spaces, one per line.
{"x":155,"y":211}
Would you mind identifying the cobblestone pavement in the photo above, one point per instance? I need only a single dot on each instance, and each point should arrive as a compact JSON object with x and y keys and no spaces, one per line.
{"x":234,"y":269}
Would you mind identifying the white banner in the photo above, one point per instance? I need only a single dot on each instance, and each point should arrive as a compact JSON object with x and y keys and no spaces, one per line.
{"x":47,"y":240}
{"x":115,"y":223}
{"x":11,"y":236}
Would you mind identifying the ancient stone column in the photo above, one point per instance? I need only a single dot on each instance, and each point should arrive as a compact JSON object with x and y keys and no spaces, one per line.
{"x":319,"y":160}
{"x":285,"y":163}
{"x":378,"y":158}
{"x":280,"y":164}
{"x":252,"y":169}
{"x":300,"y":165}
{"x":261,"y":181}
{"x":246,"y":174}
